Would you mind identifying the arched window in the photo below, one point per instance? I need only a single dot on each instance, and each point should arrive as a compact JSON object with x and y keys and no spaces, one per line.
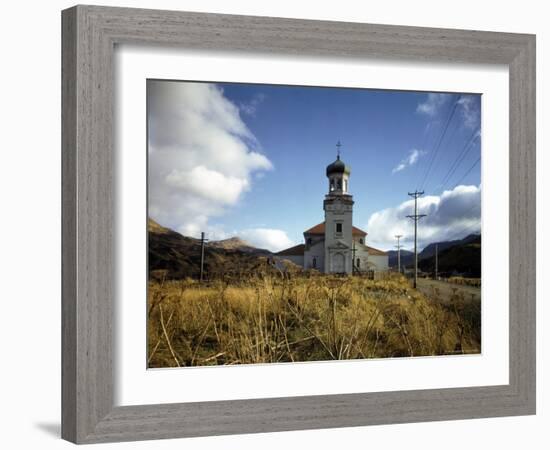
{"x":339,"y":184}
{"x":308,"y":241}
{"x":361,"y":241}
{"x":331,"y":184}
{"x":358,"y":262}
{"x":314,"y":262}
{"x":345,"y":185}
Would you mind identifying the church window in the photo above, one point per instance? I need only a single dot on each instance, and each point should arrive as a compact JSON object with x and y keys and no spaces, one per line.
{"x":361,"y":241}
{"x":338,"y":227}
{"x":358,"y":262}
{"x":331,"y":184}
{"x":339,"y":184}
{"x":308,"y":241}
{"x":345,"y":185}
{"x":314,"y":263}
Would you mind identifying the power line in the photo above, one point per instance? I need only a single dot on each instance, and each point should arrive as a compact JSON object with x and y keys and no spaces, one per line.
{"x":442,"y":136}
{"x":422,"y":148}
{"x":449,"y":139}
{"x":468,"y":171}
{"x":454,"y":166}
{"x":456,"y":234}
{"x":460,"y":233}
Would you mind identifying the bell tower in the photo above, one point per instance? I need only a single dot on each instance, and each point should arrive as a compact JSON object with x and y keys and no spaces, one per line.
{"x":338,"y":206}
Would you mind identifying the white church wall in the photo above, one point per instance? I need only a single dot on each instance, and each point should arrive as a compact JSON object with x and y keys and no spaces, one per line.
{"x":296,"y":259}
{"x":313,"y":239}
{"x":317,"y":251}
{"x":362,"y":254}
{"x":380,"y":261}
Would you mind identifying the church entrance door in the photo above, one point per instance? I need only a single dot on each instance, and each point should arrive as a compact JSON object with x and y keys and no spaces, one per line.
{"x":338,"y":263}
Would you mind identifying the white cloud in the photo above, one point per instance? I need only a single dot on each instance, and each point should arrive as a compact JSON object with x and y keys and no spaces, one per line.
{"x":195,"y":227}
{"x":208,"y":184}
{"x":268,"y":238}
{"x":452,"y":215}
{"x":413,"y":156}
{"x":468,"y":108}
{"x":432,"y":104}
{"x":469,"y":111}
{"x":399,"y":167}
{"x":410,"y":160}
{"x":202,"y":156}
{"x":251,"y":107}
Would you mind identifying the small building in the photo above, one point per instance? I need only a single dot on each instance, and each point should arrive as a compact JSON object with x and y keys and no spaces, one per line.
{"x":294,"y":254}
{"x":335,"y":245}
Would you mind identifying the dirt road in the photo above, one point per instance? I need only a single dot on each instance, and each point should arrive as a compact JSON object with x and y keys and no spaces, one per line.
{"x":446,"y":289}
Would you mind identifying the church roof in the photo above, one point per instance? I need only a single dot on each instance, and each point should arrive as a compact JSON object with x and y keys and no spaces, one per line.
{"x":338,"y":166}
{"x":374,"y":251}
{"x":320,"y":229}
{"x":297,"y":250}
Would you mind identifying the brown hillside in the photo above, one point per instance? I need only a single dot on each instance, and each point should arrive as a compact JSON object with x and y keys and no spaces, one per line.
{"x":174,"y":256}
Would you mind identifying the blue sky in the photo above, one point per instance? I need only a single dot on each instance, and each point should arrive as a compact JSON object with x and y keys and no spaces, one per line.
{"x":277,"y":141}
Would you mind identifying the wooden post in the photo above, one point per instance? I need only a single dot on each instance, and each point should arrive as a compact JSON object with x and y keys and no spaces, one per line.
{"x":416,"y":217}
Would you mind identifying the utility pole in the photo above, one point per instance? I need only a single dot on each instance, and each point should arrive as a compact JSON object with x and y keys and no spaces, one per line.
{"x":416,"y":217}
{"x":203,"y":242}
{"x":353,"y":269}
{"x":398,"y":236}
{"x":436,"y":257}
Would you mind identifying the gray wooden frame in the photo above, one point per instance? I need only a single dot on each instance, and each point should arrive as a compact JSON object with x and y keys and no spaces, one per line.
{"x":89,"y":34}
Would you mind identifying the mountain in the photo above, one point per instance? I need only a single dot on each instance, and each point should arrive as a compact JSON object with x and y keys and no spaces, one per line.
{"x":429,"y":250}
{"x":174,"y":256}
{"x":236,"y":243}
{"x":406,"y":258}
{"x":463,"y":258}
{"x":456,"y":256}
{"x":154,"y":227}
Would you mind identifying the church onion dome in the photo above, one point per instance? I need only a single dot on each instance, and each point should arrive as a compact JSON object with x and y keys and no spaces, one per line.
{"x":338,"y":166}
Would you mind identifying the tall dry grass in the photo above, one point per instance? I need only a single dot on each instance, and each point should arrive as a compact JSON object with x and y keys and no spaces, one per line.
{"x":462,"y":281}
{"x":268,"y":319}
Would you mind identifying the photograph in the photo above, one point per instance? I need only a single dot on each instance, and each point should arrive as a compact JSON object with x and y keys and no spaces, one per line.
{"x":266,"y":225}
{"x":290,"y":224}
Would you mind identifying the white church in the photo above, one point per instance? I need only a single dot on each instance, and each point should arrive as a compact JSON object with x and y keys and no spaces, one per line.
{"x":335,"y":245}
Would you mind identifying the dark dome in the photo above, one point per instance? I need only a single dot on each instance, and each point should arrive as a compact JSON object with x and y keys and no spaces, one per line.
{"x":338,"y":166}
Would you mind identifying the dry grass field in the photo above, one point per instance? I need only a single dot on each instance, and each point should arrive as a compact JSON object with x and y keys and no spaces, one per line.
{"x":271,"y":319}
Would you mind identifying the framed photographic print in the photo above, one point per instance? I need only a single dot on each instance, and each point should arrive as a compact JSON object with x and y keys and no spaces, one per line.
{"x":268,"y":222}
{"x":252,"y":281}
